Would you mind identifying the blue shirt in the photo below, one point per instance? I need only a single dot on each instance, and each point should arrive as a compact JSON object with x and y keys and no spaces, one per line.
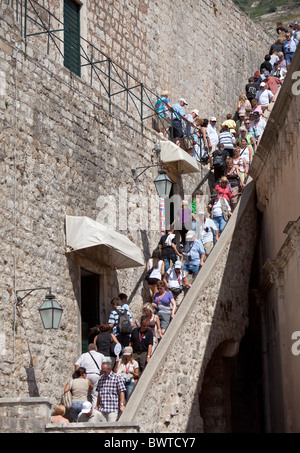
{"x":178,"y":109}
{"x":289,"y":46}
{"x":161,"y":106}
{"x":193,"y":251}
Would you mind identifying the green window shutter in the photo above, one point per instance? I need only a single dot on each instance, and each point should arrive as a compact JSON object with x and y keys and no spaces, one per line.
{"x":72,"y":36}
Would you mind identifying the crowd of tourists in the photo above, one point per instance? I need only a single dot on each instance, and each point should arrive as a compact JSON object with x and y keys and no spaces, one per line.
{"x":120,"y":349}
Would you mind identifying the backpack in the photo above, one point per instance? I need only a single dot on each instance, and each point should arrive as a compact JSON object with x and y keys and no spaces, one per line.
{"x":218,"y":160}
{"x":124,"y":324}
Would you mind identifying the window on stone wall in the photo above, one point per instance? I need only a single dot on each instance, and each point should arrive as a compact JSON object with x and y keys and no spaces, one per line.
{"x":72,"y":36}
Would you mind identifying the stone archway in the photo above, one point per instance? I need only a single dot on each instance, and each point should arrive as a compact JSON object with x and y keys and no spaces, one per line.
{"x":214,"y":399}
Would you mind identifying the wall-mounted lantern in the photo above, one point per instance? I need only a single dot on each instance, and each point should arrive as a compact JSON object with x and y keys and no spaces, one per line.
{"x":50,"y":310}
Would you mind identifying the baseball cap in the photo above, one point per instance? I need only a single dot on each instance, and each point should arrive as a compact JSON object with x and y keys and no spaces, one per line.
{"x":262,"y":84}
{"x":266,"y":73}
{"x":178,"y":264}
{"x":86,"y":407}
{"x":183,"y":100}
{"x":213,"y":118}
{"x":128,"y":350}
{"x":256,"y":113}
{"x":196,"y":111}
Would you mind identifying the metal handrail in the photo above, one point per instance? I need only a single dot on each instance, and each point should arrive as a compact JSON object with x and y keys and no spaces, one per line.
{"x":37,"y":21}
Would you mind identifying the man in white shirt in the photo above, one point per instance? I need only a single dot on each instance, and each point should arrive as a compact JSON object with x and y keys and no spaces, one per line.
{"x":92,"y":362}
{"x":258,"y":126}
{"x":207,"y":231}
{"x":212,"y":133}
{"x":264,"y":96}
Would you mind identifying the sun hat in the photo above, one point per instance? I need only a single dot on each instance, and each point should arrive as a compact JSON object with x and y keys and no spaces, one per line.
{"x":128,"y":350}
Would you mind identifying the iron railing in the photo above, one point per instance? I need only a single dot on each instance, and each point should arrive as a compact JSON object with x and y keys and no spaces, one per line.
{"x":98,"y":69}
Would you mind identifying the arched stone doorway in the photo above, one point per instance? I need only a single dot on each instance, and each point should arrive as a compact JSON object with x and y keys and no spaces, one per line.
{"x":231,"y":398}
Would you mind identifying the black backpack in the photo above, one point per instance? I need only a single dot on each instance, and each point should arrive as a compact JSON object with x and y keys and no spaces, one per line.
{"x":123,"y":324}
{"x":218,"y":160}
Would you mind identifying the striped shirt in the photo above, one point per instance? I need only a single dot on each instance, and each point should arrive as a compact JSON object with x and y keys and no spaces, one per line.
{"x":226,"y":139}
{"x":109,"y":389}
{"x":114,"y":318}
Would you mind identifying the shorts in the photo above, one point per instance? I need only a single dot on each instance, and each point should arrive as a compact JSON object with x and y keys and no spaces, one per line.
{"x":153,"y":281}
{"x":177,"y":128}
{"x":191,"y":268}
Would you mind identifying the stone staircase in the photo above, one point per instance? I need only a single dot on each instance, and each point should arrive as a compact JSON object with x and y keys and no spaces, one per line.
{"x":213,"y":315}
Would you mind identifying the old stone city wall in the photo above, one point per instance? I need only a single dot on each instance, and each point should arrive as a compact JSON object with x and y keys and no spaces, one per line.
{"x":62,"y":152}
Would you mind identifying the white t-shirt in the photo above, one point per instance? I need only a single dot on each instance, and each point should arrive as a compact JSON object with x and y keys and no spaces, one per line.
{"x":207,"y":236}
{"x":213,"y":135}
{"x":125,"y":369}
{"x":264,"y":97}
{"x":217,"y":209}
{"x":174,"y":280}
{"x":86,"y":361}
{"x":156,"y":272}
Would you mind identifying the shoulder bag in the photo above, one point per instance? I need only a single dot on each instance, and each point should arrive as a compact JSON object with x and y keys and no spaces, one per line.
{"x":66,"y":399}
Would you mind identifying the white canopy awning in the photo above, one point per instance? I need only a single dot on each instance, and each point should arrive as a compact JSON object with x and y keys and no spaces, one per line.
{"x":180,"y":161}
{"x":101,"y":243}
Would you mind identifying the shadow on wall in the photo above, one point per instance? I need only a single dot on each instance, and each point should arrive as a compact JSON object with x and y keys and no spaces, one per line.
{"x":31,"y":381}
{"x":212,"y":405}
{"x":33,"y":389}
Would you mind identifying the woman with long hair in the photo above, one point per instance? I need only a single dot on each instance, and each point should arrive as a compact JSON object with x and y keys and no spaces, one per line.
{"x":158,"y":271}
{"x":154,"y":324}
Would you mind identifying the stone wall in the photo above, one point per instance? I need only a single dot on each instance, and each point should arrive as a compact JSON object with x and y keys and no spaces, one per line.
{"x":275,"y":170}
{"x":63,"y":153}
{"x":33,"y":415}
{"x":23,"y":415}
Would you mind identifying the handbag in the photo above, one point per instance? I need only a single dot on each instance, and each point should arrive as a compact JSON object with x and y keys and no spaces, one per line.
{"x":176,"y":291}
{"x":224,"y":209}
{"x":147,"y":275}
{"x":66,"y":399}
